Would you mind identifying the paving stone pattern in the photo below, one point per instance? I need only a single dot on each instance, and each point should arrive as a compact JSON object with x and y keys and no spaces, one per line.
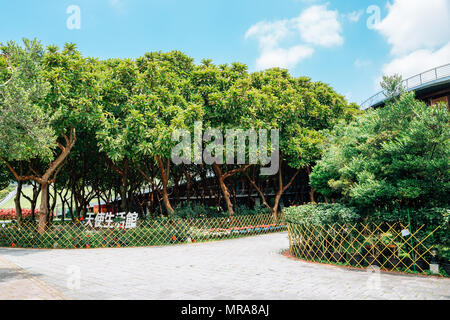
{"x":246,"y":268}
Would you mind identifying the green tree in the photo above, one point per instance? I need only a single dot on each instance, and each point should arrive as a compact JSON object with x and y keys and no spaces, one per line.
{"x":389,"y":157}
{"x":121,"y":124}
{"x":392,"y":86}
{"x":167,"y":103}
{"x":144,"y":102}
{"x":221,"y":111}
{"x":302,"y":111}
{"x":47,"y":96}
{"x":25,"y":127}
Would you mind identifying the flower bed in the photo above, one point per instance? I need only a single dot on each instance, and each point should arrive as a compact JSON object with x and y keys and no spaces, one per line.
{"x":8,"y":214}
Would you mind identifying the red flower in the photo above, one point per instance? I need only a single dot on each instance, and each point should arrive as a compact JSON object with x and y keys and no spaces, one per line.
{"x":13,"y":245}
{"x":174,"y":238}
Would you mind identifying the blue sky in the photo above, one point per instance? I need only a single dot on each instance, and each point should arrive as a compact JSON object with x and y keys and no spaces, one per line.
{"x":329,"y":41}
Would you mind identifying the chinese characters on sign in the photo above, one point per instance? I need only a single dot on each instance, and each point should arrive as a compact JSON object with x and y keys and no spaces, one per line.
{"x":109,"y":220}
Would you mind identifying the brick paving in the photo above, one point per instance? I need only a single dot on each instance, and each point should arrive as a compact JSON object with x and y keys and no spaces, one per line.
{"x":247,"y":268}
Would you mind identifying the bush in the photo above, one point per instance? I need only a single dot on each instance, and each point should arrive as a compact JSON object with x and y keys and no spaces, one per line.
{"x":321,"y":214}
{"x":392,"y":156}
{"x":193,"y":210}
{"x":428,"y":219}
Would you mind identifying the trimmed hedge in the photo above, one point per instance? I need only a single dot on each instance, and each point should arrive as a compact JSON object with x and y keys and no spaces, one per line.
{"x":320,"y":214}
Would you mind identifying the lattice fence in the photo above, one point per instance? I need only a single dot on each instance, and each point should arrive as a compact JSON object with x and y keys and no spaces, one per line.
{"x":120,"y":232}
{"x":389,"y":246}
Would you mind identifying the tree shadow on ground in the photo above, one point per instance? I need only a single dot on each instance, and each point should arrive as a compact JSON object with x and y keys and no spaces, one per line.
{"x":8,"y":274}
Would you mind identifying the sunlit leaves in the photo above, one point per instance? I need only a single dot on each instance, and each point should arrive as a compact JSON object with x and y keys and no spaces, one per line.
{"x":397,"y":154}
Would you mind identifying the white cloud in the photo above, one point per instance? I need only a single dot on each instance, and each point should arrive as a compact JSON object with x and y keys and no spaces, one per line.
{"x":419,"y":34}
{"x":320,"y":26}
{"x":269,"y":34}
{"x":416,"y":24}
{"x":279,"y":40}
{"x":418,"y":61}
{"x":283,"y":58}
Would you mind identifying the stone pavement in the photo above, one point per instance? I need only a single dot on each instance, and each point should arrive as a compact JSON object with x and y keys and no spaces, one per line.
{"x":246,"y":268}
{"x":17,"y":284}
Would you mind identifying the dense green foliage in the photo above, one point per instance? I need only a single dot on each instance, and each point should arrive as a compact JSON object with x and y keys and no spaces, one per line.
{"x":189,"y":210}
{"x":393,"y":157}
{"x":103,"y":129}
{"x":25,"y":130}
{"x":320,"y":214}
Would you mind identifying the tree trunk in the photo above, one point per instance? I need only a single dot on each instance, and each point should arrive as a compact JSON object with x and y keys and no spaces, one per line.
{"x":224,"y":188}
{"x":312,"y":191}
{"x":165,"y":181}
{"x":33,"y":200}
{"x":311,"y":195}
{"x":17,"y":202}
{"x":123,"y":194}
{"x":53,"y":205}
{"x":281,"y":190}
{"x":48,"y":177}
{"x":33,"y":211}
{"x":44,"y":211}
{"x":63,"y":213}
{"x":72,"y":216}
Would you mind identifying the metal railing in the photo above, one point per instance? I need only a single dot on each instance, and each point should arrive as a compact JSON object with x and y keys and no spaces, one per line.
{"x":412,"y":83}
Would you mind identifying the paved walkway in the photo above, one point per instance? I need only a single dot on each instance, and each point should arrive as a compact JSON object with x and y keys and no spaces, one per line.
{"x":248,"y":268}
{"x":17,"y":284}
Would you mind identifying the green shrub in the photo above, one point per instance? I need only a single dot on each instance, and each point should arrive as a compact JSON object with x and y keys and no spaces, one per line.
{"x":193,"y":210}
{"x":391,"y":156}
{"x":425,"y":219}
{"x":320,"y":214}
